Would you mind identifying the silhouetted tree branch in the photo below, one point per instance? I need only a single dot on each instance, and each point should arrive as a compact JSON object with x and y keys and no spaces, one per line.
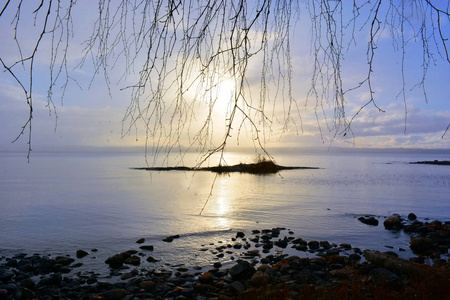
{"x":180,"y":54}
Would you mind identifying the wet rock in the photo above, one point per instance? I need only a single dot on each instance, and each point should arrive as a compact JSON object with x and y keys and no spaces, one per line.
{"x":146,"y":247}
{"x":392,"y":223}
{"x":12,"y":263}
{"x":242,"y":270}
{"x":281,"y":243}
{"x":170,"y":238}
{"x":422,"y":246}
{"x":131,"y":274}
{"x":151,"y":259}
{"x":325,"y":245}
{"x":204,"y":288}
{"x":238,"y":286}
{"x":24,"y":293}
{"x":140,"y":241}
{"x":332,"y":251}
{"x":345,"y":246}
{"x":114,"y":294}
{"x":237,"y":246}
{"x":260,"y":279}
{"x":81,"y":253}
{"x":354,"y":257}
{"x":28,"y":283}
{"x":368,"y":220}
{"x":299,"y":241}
{"x":5,"y":274}
{"x":206,"y":278}
{"x":240,"y":234}
{"x":217,"y":265}
{"x":64,"y":260}
{"x":115,"y":261}
{"x":147,"y":285}
{"x":384,"y":274}
{"x":252,"y":253}
{"x":25,"y":267}
{"x":51,"y":280}
{"x":133,"y":260}
{"x":391,"y":253}
{"x":10,"y":287}
{"x":313,"y":245}
{"x":412,"y":217}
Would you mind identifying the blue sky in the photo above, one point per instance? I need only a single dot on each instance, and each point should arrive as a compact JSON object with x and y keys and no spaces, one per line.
{"x":89,"y":116}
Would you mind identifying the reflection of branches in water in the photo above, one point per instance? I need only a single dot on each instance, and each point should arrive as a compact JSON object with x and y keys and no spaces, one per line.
{"x":183,"y":50}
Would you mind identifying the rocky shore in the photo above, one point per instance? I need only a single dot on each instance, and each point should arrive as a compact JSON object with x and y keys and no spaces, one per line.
{"x":258,"y":269}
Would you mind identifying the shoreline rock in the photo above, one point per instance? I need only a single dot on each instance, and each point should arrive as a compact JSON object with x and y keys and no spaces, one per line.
{"x":256,"y":272}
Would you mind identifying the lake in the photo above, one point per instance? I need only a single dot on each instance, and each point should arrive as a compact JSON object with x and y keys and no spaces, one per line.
{"x":61,"y":202}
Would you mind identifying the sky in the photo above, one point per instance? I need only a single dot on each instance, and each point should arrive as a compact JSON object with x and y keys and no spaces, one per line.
{"x":91,"y":115}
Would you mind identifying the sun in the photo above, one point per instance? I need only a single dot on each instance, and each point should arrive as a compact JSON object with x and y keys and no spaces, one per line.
{"x":223,"y":95}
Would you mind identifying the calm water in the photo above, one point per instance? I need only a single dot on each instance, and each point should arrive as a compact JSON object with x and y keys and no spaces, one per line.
{"x":62,"y":202}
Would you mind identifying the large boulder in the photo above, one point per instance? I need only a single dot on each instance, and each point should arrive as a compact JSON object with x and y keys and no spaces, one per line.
{"x":422,"y":246}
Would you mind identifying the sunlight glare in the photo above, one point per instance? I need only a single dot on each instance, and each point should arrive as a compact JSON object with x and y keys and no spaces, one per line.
{"x":223,"y":94}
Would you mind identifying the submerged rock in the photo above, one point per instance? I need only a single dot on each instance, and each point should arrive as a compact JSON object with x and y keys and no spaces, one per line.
{"x":147,"y":247}
{"x":369,"y":221}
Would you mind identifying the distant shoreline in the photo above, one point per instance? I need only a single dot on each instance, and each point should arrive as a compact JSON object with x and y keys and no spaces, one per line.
{"x":432,"y":162}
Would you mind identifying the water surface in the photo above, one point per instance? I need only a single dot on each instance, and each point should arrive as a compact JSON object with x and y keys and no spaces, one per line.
{"x":60,"y":202}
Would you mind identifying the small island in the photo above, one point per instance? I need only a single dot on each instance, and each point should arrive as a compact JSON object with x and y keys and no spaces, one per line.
{"x":260,"y":167}
{"x":433,"y":162}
